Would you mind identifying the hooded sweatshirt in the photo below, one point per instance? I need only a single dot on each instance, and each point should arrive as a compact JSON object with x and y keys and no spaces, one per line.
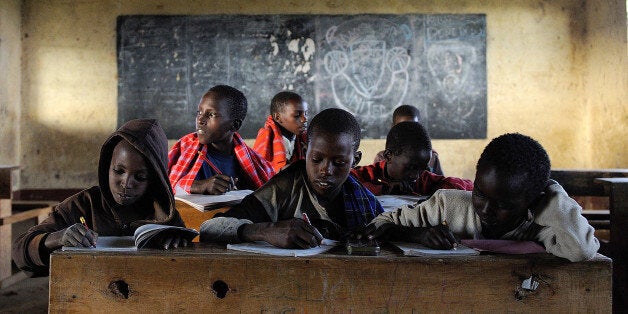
{"x":97,"y":205}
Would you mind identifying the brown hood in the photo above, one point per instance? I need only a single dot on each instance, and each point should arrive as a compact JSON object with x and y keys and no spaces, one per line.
{"x":147,"y":136}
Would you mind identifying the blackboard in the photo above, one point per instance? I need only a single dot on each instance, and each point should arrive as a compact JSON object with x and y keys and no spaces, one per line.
{"x":366,"y":64}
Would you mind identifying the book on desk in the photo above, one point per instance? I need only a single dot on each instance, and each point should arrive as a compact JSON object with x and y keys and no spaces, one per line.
{"x":204,"y":202}
{"x":142,"y":238}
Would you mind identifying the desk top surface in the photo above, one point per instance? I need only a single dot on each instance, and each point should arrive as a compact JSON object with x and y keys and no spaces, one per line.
{"x":388,"y":254}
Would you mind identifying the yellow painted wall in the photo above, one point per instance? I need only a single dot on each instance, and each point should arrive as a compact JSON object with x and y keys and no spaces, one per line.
{"x":548,"y":76}
{"x":10,"y":81}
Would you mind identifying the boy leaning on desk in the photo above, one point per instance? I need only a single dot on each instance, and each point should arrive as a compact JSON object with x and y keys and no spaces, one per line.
{"x":513,"y":199}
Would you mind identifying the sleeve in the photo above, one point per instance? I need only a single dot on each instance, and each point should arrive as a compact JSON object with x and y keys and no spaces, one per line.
{"x":427,"y":213}
{"x":224,"y":226}
{"x":366,"y":178}
{"x":567,"y":233}
{"x":29,"y":252}
{"x":429,"y":183}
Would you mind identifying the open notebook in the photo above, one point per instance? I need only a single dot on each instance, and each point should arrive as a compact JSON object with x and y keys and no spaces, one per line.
{"x":392,"y":202}
{"x":208,"y":202}
{"x":143,"y":238}
{"x":262,"y":247}
{"x":415,"y":249}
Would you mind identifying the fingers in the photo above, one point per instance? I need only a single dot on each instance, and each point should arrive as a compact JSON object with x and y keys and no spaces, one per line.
{"x":219,"y":184}
{"x":440,"y":237}
{"x":79,"y":236}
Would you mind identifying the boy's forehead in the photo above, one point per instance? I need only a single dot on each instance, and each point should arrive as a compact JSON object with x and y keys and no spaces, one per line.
{"x":212,"y":99}
{"x":327,"y":138}
{"x":507,"y":185}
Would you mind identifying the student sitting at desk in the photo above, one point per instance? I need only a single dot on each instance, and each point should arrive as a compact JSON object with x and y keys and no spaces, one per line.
{"x":319,"y":186}
{"x":404,"y":170}
{"x":133,"y":190}
{"x":412,"y":113}
{"x":215,"y":159}
{"x":283,"y":140}
{"x":513,"y":199}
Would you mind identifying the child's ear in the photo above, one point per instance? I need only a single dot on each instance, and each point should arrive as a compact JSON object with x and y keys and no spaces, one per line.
{"x":388,"y":154}
{"x":237,"y":123}
{"x":276,"y":116}
{"x":357,"y":156}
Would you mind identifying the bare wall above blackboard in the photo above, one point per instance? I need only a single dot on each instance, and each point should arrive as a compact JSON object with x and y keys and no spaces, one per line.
{"x":366,"y":64}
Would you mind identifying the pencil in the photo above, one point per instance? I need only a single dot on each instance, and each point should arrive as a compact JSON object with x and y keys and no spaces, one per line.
{"x":455,"y":245}
{"x":82,"y":219}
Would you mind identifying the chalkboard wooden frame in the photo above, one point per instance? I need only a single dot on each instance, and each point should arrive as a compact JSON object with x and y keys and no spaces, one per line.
{"x":367,"y":64}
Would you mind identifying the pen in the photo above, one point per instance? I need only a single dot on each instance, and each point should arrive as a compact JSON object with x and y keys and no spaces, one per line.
{"x":307,"y":219}
{"x":233,"y":186}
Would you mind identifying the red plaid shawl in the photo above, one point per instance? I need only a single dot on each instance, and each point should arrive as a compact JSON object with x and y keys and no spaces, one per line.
{"x":184,"y":164}
{"x":427,"y":183}
{"x":270,"y":146}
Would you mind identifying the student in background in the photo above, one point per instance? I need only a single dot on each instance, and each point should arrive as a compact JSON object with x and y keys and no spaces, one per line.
{"x":215,"y":159}
{"x":319,"y":186}
{"x":411,"y":113}
{"x":133,"y":190}
{"x":404,"y":170}
{"x":513,"y":199}
{"x":283,"y":140}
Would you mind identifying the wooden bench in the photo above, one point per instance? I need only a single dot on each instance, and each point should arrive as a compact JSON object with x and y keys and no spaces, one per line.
{"x":603,"y":195}
{"x":11,"y":213}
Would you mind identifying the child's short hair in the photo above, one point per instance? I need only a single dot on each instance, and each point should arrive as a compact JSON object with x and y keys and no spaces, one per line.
{"x":406,"y":136}
{"x":237,"y":101}
{"x":406,"y":111}
{"x":280,"y":101}
{"x":519,"y":156}
{"x":335,"y":121}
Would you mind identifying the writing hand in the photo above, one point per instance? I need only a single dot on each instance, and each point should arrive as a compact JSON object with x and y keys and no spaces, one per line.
{"x":292,"y":233}
{"x":218,"y":184}
{"x":75,"y":235}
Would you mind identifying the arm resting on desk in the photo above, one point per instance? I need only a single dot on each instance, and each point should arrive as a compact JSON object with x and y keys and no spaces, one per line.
{"x":567,"y":233}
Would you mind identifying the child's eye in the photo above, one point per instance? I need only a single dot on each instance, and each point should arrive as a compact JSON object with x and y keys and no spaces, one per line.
{"x":141,"y":177}
{"x":340,"y":163}
{"x":118,"y":171}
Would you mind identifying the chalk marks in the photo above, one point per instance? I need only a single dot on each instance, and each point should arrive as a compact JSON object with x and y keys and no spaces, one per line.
{"x":368,"y":62}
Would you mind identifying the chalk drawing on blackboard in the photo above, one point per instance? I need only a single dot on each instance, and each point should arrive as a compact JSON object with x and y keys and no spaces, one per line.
{"x":368,"y":62}
{"x":449,"y":63}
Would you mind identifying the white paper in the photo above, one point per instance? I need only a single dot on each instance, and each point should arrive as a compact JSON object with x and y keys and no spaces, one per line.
{"x":204,"y":202}
{"x":262,"y":247}
{"x":392,"y":202}
{"x":108,"y":244}
{"x":415,"y":249}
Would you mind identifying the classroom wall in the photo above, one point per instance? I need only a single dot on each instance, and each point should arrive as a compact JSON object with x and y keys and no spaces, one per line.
{"x":10,"y":81}
{"x":556,"y":71}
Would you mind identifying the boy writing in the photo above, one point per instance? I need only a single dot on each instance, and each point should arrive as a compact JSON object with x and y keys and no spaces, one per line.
{"x":319,"y":186}
{"x":513,"y":199}
{"x":214,"y":159}
{"x":411,"y":113}
{"x":282,"y":140}
{"x":133,"y":190}
{"x":404,"y":168}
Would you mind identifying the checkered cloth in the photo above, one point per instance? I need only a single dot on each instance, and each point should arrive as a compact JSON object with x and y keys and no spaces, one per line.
{"x":361,"y":206}
{"x":269,"y":144}
{"x":184,"y":164}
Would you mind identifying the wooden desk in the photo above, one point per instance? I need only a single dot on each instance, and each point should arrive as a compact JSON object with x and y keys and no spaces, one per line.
{"x":193,"y":218}
{"x":209,"y":278}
